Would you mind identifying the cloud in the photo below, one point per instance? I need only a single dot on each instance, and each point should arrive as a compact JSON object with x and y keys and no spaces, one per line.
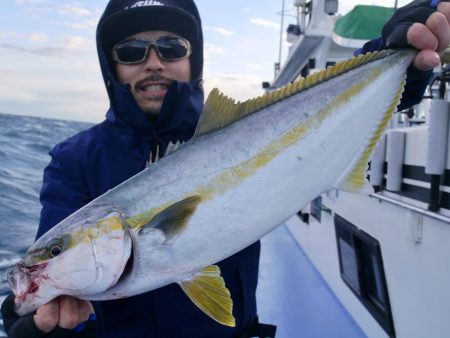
{"x":78,"y":43}
{"x":252,"y":65}
{"x":71,"y":44}
{"x":239,"y":86}
{"x":82,"y":25}
{"x":38,"y":37}
{"x":9,"y":88}
{"x":220,"y":30}
{"x":213,"y":49}
{"x":48,"y":93}
{"x":4,"y":35}
{"x":32,"y":2}
{"x":76,"y":10}
{"x":45,"y":51}
{"x":265,"y":23}
{"x":346,"y":6}
{"x":35,"y":8}
{"x":81,"y":19}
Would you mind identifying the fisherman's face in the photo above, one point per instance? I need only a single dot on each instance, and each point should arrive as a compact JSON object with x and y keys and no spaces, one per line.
{"x":150,"y":79}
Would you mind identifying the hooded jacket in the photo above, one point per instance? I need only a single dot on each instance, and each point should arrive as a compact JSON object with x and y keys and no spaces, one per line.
{"x":96,"y":160}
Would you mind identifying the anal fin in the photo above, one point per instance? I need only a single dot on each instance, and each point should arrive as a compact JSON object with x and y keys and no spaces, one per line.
{"x":207,"y":290}
{"x":355,"y":181}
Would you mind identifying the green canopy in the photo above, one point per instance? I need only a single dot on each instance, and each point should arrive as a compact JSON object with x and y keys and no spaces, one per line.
{"x":363,"y":22}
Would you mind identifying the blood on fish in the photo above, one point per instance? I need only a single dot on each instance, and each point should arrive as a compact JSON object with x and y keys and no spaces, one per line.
{"x":33,"y":268}
{"x":33,"y":287}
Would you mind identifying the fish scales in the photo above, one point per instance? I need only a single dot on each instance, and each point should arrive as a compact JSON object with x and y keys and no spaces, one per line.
{"x":240,"y":166}
{"x":239,"y":181}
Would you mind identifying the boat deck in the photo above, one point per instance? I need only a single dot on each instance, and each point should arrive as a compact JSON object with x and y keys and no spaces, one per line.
{"x":292,"y":295}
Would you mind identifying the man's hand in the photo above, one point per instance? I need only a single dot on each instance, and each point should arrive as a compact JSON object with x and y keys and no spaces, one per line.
{"x":65,"y":311}
{"x":424,"y":26}
{"x":56,"y":319}
{"x":431,"y":38}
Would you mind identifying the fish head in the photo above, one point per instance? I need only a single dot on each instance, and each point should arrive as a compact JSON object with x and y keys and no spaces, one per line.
{"x":81,"y":259}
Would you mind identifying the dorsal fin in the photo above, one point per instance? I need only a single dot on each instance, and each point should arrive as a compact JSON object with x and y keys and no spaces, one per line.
{"x":220,"y":110}
{"x":172,"y":147}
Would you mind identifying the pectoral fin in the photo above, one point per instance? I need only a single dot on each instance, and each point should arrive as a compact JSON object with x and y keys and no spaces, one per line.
{"x":208,"y":291}
{"x":170,"y":222}
{"x":173,"y":220}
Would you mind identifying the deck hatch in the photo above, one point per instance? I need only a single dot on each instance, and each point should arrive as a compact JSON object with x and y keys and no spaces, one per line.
{"x":361,"y":268}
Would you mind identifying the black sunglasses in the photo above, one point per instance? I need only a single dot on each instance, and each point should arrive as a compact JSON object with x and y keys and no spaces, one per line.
{"x":168,"y":48}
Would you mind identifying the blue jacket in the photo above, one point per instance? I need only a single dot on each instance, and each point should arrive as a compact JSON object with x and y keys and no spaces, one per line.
{"x":96,"y":160}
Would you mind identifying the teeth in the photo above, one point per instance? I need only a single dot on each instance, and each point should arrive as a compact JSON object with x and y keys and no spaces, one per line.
{"x":153,"y":88}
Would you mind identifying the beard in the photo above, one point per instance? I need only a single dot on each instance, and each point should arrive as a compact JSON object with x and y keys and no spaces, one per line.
{"x":151,"y":114}
{"x":150,"y":107}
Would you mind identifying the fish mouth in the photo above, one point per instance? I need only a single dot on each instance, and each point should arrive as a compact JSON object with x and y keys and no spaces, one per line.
{"x":23,"y":280}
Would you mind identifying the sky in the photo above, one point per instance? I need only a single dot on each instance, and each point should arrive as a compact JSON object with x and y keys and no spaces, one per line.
{"x":49,"y":64}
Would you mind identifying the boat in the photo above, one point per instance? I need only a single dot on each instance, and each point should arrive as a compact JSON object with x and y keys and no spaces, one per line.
{"x":384,"y":256}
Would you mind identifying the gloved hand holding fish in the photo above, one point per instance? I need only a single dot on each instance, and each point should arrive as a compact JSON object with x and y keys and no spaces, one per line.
{"x":422,"y":24}
{"x":250,"y":167}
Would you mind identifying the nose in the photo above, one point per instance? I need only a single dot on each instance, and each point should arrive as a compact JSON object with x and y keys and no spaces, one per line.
{"x":153,"y":62}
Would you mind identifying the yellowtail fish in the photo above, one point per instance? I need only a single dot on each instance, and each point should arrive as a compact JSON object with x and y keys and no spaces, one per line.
{"x":250,"y":166}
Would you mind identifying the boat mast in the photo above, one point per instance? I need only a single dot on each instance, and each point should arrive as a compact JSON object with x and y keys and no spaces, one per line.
{"x":278,"y":64}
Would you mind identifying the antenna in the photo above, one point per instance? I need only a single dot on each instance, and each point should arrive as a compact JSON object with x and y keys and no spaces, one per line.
{"x":281,"y":33}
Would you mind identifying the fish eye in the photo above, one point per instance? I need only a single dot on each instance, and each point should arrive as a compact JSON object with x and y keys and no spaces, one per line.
{"x":56,"y":246}
{"x":55,"y":251}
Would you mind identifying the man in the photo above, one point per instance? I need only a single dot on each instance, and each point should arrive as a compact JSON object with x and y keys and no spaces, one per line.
{"x":151,"y":55}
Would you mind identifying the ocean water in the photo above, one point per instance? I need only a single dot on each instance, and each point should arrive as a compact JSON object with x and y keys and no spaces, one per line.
{"x":24,"y":146}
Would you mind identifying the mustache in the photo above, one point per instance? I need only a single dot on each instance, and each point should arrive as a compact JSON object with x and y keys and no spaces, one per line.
{"x":153,"y":78}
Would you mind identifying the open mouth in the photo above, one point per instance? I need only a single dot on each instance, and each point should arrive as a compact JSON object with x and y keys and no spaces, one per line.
{"x":23,"y":279}
{"x":153,"y":89}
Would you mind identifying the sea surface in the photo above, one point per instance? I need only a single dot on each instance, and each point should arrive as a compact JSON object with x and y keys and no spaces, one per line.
{"x":24,"y":146}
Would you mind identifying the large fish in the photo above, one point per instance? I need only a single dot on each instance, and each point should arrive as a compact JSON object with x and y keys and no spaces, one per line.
{"x":250,"y":167}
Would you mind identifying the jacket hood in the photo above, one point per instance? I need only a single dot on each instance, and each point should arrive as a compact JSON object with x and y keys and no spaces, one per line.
{"x":184,"y":101}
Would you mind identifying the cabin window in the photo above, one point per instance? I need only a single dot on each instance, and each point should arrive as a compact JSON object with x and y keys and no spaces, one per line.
{"x":349,"y":263}
{"x":361,"y":268}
